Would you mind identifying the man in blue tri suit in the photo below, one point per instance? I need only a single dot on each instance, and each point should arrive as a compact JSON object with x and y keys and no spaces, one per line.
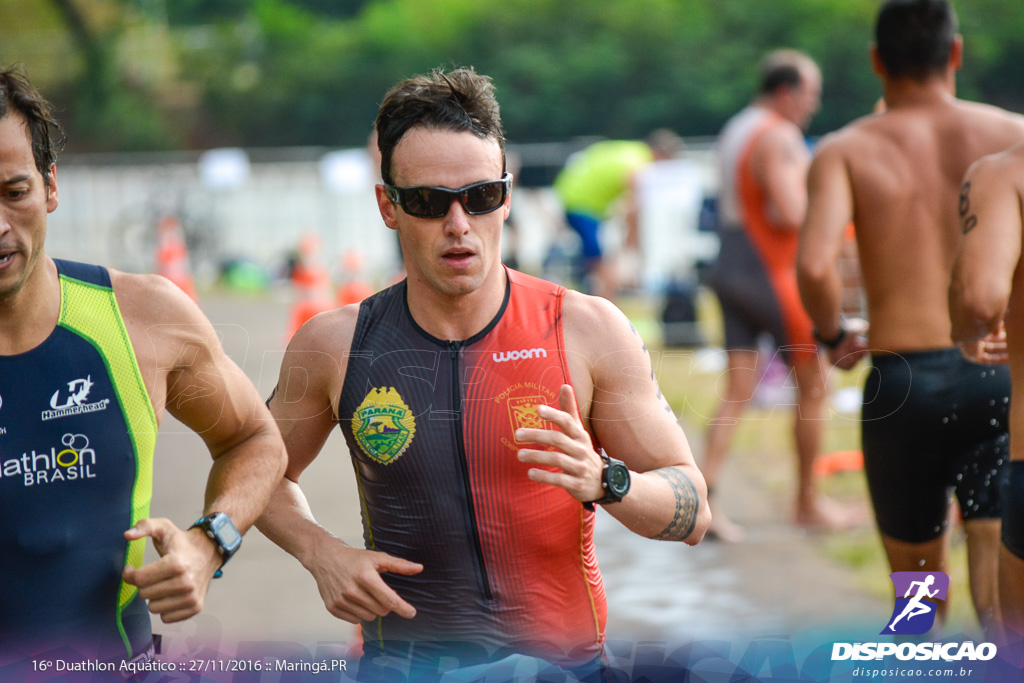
{"x":89,"y":360}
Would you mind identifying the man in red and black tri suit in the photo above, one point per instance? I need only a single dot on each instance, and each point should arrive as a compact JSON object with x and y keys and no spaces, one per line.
{"x":486,"y":411}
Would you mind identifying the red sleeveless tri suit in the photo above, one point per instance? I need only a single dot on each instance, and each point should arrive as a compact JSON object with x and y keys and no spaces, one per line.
{"x":509,"y":563}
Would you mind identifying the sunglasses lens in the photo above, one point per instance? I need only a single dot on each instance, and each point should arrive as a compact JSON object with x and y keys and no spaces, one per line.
{"x":484,"y":197}
{"x":433,"y":202}
{"x":426,"y":202}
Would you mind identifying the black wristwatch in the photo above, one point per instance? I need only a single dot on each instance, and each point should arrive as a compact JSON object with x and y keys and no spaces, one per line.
{"x":614,"y":479}
{"x":835,"y":341}
{"x":219,"y":527}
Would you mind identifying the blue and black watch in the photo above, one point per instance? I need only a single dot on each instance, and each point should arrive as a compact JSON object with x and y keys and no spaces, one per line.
{"x":219,"y":527}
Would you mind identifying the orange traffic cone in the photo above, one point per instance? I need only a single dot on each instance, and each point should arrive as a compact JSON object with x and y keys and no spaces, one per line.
{"x":838,"y":461}
{"x":353,"y":288}
{"x":172,"y":256}
{"x":311,"y":283}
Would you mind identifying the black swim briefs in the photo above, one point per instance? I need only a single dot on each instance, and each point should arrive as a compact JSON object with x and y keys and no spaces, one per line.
{"x":931,"y":421}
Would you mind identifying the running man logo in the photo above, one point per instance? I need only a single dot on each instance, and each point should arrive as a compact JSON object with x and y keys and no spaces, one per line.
{"x":523,"y":411}
{"x":383,"y":425}
{"x":913,"y":614}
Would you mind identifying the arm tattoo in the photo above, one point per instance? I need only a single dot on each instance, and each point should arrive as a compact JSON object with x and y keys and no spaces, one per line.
{"x":661,"y":397}
{"x":687,"y":505}
{"x":968,"y":220}
{"x":643,"y":346}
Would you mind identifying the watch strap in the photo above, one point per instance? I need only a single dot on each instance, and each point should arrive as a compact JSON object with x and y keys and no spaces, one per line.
{"x":206,"y":523}
{"x":609,"y":496}
{"x":834,"y":341}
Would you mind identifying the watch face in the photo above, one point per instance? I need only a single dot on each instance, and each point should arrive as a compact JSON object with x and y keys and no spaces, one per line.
{"x":618,"y":479}
{"x":229,"y":536}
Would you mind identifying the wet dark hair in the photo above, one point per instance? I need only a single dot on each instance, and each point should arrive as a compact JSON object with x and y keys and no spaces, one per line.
{"x":18,"y":95}
{"x":459,"y":100}
{"x":781,"y":68}
{"x":914,"y":37}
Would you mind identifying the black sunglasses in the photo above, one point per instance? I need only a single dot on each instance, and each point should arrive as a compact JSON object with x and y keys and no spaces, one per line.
{"x":434,"y":202}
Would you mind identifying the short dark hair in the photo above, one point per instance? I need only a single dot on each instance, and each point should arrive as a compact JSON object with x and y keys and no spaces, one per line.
{"x":461,"y":100}
{"x":18,"y":95}
{"x":781,"y":68}
{"x":914,"y":37}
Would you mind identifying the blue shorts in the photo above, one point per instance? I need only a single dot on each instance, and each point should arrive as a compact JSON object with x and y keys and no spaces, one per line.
{"x":586,"y":227}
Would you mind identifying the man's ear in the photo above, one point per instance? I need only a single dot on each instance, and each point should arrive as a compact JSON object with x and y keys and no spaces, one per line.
{"x":956,"y":53}
{"x":507,"y":209}
{"x":51,"y":190}
{"x":388,"y":211}
{"x":876,"y":62}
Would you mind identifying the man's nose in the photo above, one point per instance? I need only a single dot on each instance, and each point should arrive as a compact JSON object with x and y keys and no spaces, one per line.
{"x":456,"y":221}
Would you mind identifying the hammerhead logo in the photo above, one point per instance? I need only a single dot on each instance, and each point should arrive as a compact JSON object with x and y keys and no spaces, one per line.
{"x":78,"y":390}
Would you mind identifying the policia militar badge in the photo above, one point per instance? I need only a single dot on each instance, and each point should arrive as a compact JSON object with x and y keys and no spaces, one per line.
{"x":383,"y":425}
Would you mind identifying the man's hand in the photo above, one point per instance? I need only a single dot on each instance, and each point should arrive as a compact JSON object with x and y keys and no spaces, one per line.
{"x":175,"y":585}
{"x":351,"y":586}
{"x":989,"y":350}
{"x":579,"y":464}
{"x":853,"y":347}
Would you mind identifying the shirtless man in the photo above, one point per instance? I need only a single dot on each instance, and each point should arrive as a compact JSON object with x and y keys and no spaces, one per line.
{"x":473,"y":399}
{"x":931,"y":420}
{"x":763,"y":196}
{"x":90,"y":359}
{"x":987,"y":283}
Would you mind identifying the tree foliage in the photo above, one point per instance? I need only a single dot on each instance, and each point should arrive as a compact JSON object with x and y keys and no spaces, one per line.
{"x":311,"y":72}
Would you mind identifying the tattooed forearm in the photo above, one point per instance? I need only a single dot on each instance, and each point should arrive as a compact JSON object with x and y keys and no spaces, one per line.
{"x":968,"y":221}
{"x":687,"y":505}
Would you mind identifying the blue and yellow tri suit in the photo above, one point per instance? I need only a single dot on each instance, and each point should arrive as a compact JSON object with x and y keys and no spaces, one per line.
{"x":77,"y":433}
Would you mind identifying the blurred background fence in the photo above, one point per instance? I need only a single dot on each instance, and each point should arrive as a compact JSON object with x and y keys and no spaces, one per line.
{"x":256,"y":205}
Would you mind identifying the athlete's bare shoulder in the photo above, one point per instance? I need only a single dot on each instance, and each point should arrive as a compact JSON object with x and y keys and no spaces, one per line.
{"x":783,"y":141}
{"x":984,"y":127}
{"x":847,"y":139}
{"x":1014,"y":159}
{"x":602,"y":345}
{"x":317,"y":360}
{"x":1002,"y":168}
{"x":330,"y":332}
{"x":168,"y":331}
{"x":151,"y":298}
{"x":783,"y":132}
{"x":593,"y":325}
{"x":989,"y":111}
{"x":160,"y":318}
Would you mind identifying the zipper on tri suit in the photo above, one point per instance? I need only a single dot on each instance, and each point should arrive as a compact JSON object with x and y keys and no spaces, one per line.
{"x":453,"y":348}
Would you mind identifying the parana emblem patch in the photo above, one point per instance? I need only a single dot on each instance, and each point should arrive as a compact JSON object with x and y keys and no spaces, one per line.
{"x":383,"y":425}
